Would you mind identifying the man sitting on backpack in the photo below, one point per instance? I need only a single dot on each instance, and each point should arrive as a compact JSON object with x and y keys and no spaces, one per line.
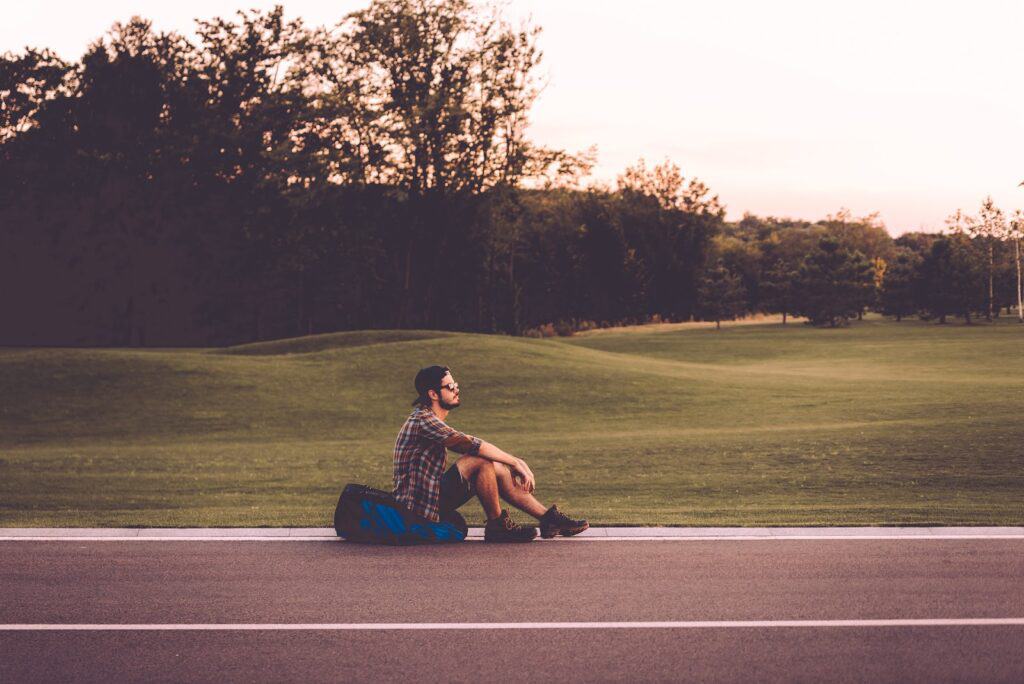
{"x":484,"y":469}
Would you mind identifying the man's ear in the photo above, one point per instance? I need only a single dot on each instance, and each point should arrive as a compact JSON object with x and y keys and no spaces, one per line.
{"x":434,"y":395}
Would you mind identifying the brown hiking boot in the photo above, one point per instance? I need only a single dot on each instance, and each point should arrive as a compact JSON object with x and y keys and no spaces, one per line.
{"x":502,"y":529}
{"x":554,"y":522}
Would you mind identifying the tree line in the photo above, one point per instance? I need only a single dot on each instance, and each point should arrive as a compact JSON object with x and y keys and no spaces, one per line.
{"x":834,"y":270}
{"x":270,"y":179}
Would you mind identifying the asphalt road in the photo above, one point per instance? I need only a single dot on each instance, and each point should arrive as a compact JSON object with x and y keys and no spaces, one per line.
{"x":213,"y":582}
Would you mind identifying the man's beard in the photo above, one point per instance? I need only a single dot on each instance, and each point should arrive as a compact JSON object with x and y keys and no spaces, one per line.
{"x":446,"y":406}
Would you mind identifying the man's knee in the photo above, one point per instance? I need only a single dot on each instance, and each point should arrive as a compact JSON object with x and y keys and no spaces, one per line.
{"x":505,"y":481}
{"x":472,"y":467}
{"x":502,"y":472}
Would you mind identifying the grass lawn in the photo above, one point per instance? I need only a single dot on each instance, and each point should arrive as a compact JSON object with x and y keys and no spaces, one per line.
{"x":878,"y":423}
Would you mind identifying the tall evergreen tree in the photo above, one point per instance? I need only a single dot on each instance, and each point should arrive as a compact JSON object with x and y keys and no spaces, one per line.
{"x":778,"y":288}
{"x":831,"y":284}
{"x":952,"y":278}
{"x":899,"y":291}
{"x":721,"y":295}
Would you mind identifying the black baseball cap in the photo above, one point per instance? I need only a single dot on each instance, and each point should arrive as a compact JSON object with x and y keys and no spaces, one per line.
{"x":427,"y":379}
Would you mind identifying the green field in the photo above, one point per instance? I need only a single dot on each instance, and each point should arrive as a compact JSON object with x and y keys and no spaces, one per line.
{"x":878,"y":423}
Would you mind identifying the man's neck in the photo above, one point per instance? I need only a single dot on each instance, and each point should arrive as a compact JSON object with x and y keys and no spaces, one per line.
{"x":441,"y":413}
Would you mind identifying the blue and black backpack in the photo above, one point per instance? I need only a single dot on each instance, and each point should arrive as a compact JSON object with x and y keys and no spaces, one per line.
{"x":372,"y":516}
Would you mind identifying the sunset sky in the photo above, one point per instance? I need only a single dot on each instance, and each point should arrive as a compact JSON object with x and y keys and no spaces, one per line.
{"x":910,"y":109}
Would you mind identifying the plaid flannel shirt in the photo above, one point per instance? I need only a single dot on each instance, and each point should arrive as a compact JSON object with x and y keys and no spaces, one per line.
{"x":420,"y":456}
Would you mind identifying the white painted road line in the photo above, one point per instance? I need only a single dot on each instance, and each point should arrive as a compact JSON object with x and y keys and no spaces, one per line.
{"x":660,"y":538}
{"x":172,"y":539}
{"x":396,"y":626}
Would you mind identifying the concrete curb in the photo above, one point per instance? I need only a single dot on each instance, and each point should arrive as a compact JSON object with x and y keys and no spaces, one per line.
{"x":595,"y":533}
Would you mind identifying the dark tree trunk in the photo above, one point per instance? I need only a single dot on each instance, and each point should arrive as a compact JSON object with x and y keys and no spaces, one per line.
{"x":403,"y":306}
{"x":257,"y":322}
{"x":991,"y":265}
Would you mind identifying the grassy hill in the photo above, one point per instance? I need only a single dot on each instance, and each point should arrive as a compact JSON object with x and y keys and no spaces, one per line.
{"x":756,"y":424}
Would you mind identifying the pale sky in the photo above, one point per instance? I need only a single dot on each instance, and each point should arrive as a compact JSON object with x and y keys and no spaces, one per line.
{"x":786,"y":108}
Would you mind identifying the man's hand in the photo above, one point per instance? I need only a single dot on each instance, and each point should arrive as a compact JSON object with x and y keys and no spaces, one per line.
{"x":523,"y":476}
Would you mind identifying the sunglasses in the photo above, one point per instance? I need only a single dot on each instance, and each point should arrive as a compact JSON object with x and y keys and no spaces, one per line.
{"x":453,"y":387}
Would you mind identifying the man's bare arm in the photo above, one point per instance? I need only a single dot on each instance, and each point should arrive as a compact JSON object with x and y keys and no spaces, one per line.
{"x":518,"y":465}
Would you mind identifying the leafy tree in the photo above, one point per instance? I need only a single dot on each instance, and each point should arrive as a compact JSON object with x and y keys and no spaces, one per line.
{"x":29,"y":84}
{"x":744,"y":259}
{"x":988,"y":227}
{"x":666,"y":184}
{"x":610,"y":272}
{"x":783,"y":244}
{"x":433,"y":98}
{"x":866,"y":235}
{"x":918,"y":243}
{"x":670,"y":222}
{"x":1016,"y":232}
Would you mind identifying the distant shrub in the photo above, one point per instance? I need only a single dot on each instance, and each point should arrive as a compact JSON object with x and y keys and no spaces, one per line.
{"x":564,"y":328}
{"x":545,"y":330}
{"x":567,"y":328}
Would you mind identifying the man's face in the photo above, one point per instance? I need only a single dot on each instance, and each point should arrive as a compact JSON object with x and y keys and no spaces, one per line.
{"x":448,"y":395}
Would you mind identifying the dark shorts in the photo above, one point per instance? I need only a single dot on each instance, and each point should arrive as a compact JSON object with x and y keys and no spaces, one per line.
{"x":455,"y":490}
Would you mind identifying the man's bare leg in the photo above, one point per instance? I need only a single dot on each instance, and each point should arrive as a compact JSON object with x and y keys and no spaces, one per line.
{"x":481,"y":473}
{"x":515,"y":495}
{"x":552,"y":521}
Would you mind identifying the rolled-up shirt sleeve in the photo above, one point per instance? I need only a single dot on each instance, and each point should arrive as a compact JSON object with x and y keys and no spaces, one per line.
{"x":463,"y":444}
{"x":436,"y":430}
